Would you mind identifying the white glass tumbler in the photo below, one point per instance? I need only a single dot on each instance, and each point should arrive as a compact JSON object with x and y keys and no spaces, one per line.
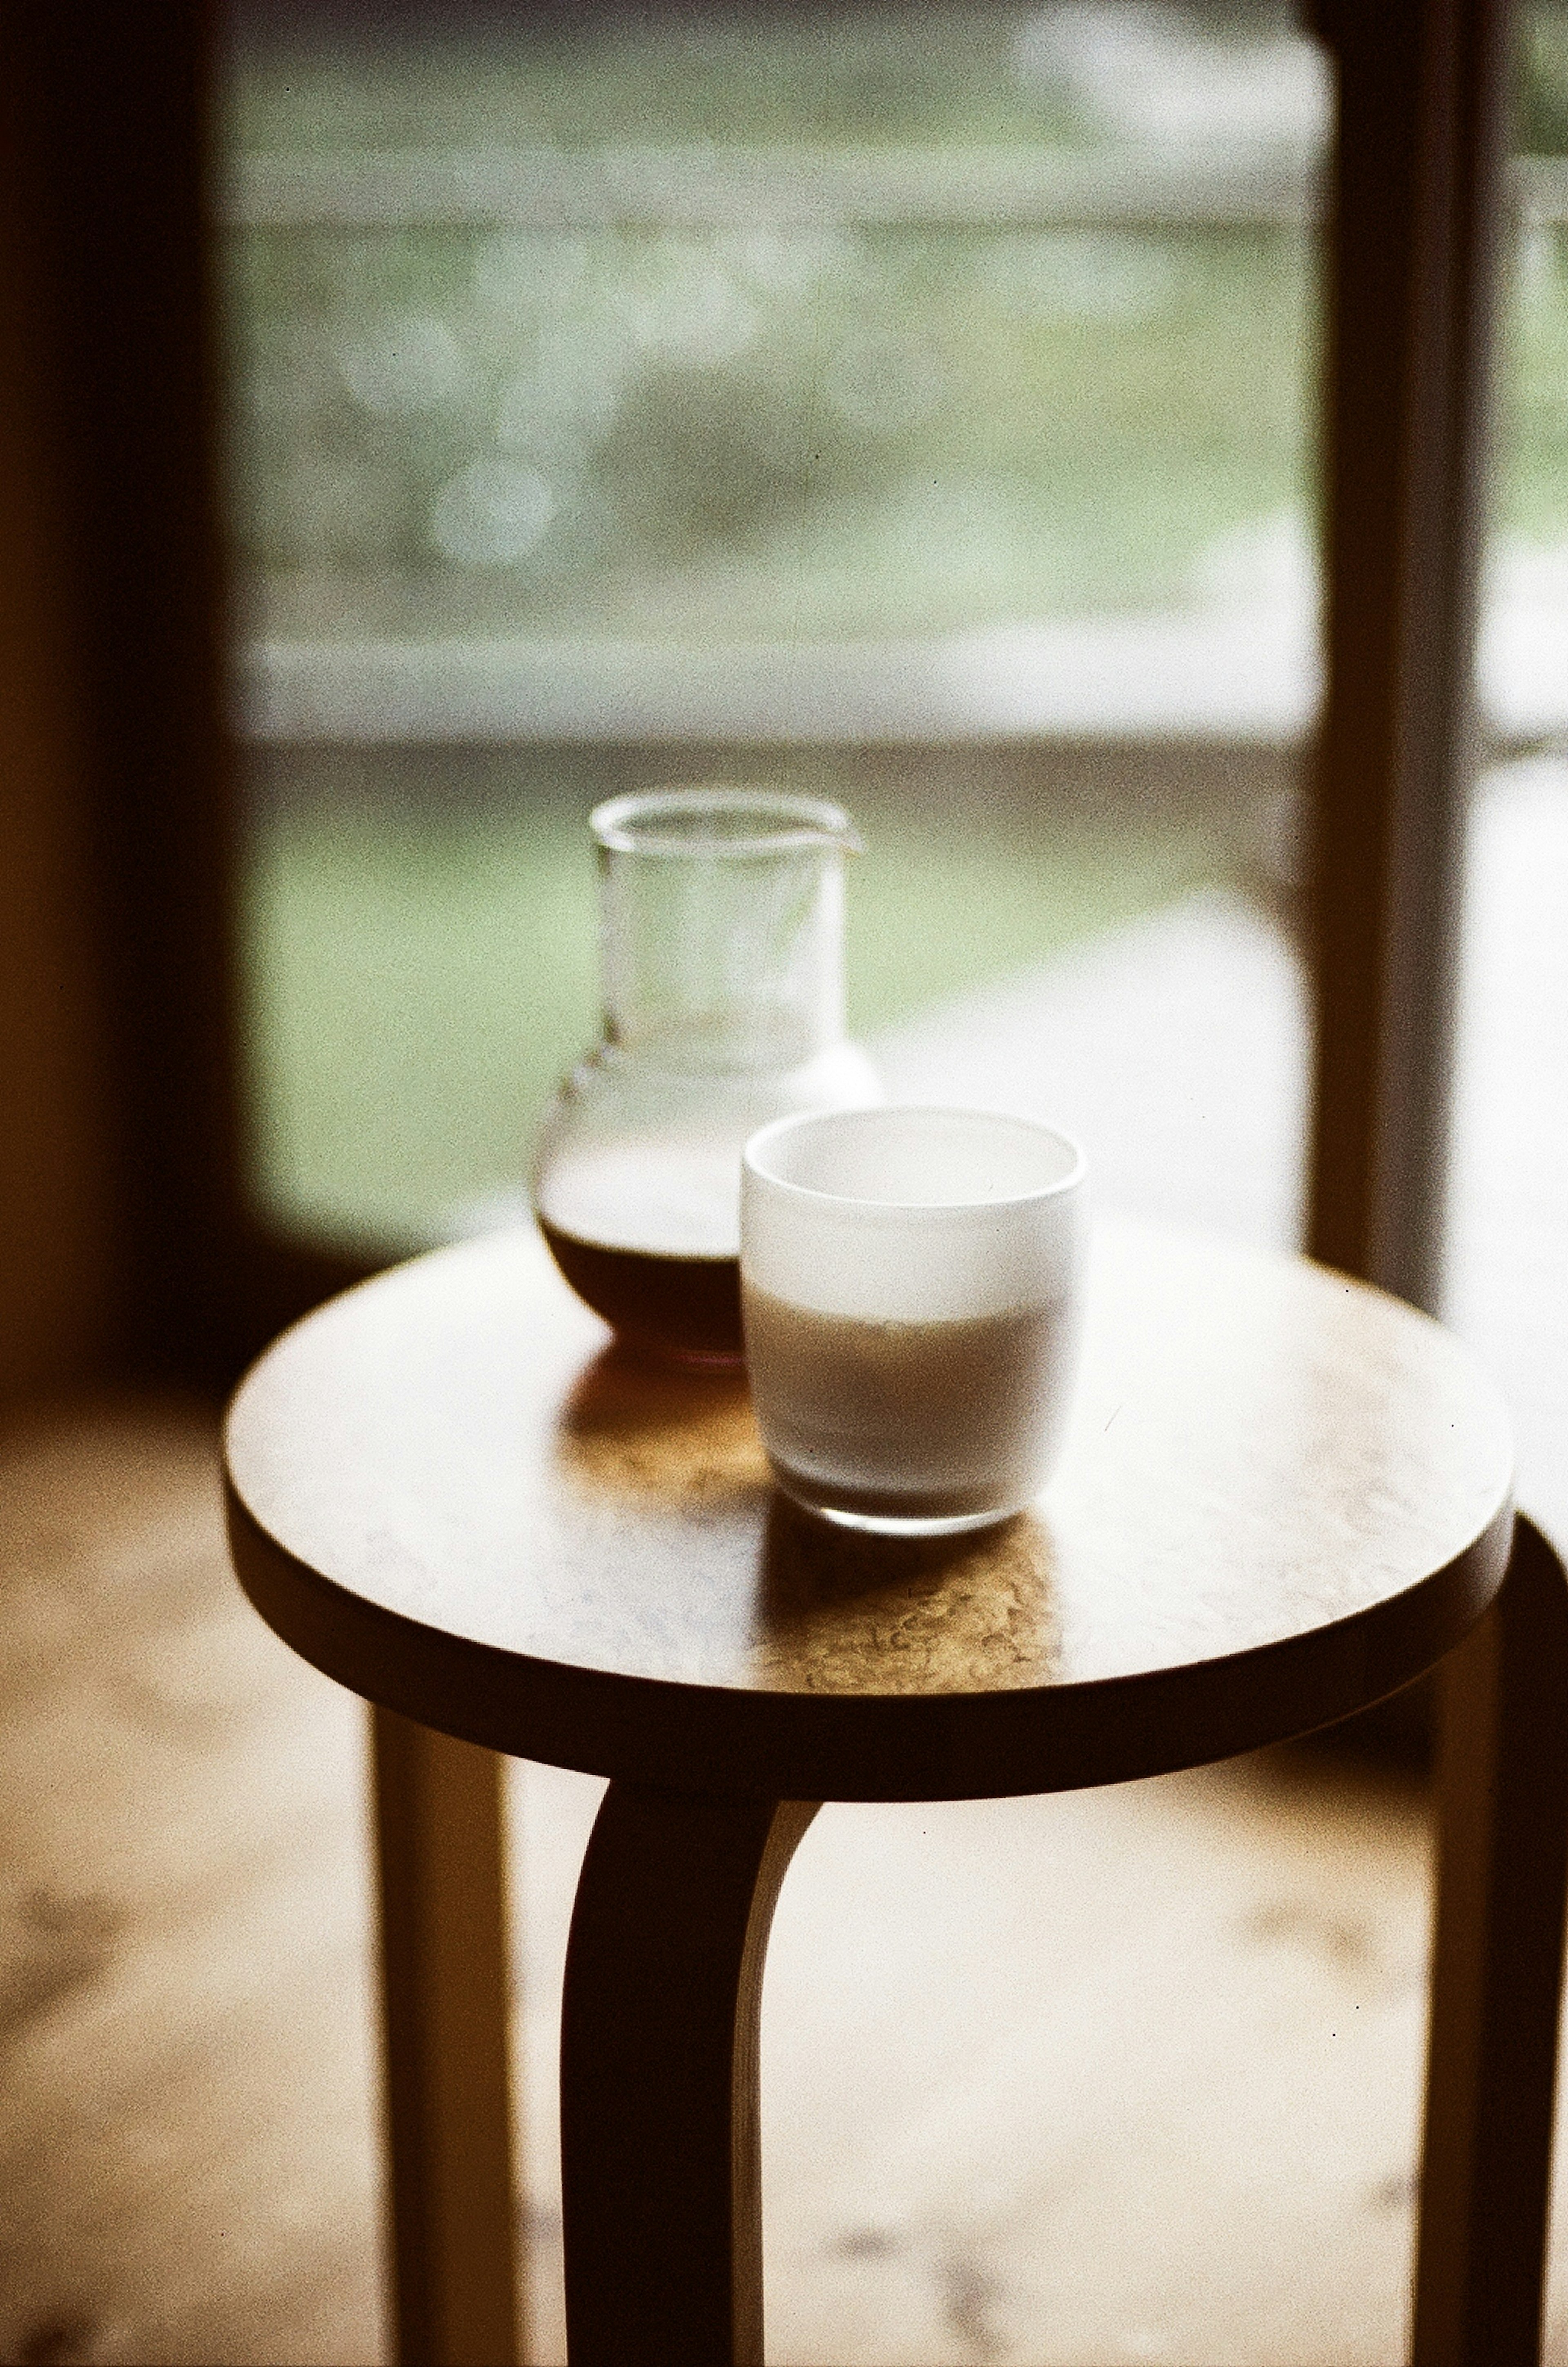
{"x":911,"y":1295}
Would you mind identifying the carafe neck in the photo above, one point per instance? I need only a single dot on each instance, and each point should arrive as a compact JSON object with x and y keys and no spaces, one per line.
{"x":721,"y":917}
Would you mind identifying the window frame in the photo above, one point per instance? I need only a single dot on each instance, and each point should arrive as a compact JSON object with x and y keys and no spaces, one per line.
{"x":107,"y":201}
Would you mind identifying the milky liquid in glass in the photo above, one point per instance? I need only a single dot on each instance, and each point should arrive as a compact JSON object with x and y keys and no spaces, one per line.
{"x":916,"y":1422}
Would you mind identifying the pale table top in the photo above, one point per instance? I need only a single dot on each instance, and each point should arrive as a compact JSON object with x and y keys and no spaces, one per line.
{"x":1283,"y":1495}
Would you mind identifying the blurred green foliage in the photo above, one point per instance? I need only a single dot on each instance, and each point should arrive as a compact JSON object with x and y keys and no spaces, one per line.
{"x":795,"y":434}
{"x":892,"y":74}
{"x":1541,"y":127}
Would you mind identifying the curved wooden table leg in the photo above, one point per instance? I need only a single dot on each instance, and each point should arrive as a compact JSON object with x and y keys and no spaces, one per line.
{"x":659,"y":2161}
{"x":1496,"y":1975}
{"x":451,"y":2201}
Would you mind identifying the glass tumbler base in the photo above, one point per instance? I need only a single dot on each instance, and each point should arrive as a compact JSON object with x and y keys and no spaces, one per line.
{"x":889,"y":1524}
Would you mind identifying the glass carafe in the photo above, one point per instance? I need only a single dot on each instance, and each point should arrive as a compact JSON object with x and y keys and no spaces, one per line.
{"x":721,"y":944}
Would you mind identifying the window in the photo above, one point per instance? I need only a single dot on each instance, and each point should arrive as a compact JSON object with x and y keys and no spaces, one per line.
{"x":1508,"y":1245}
{"x":913,"y":403}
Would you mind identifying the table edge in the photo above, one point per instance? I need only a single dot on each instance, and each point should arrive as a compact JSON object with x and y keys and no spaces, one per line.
{"x":818,"y":1746}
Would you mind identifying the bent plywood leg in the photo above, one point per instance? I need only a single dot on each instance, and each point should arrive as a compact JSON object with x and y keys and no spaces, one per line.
{"x":452,"y":2216}
{"x":660,"y":2159}
{"x":1496,"y":1975}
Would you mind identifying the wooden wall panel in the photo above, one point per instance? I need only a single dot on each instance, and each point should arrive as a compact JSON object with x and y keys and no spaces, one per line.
{"x":56,"y":1266}
{"x":134,"y":1248}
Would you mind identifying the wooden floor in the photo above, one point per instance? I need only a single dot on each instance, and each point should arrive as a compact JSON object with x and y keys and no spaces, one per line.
{"x":1120,"y":2077}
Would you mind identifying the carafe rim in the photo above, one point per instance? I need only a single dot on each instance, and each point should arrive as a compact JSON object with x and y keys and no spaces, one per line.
{"x":787,"y":822}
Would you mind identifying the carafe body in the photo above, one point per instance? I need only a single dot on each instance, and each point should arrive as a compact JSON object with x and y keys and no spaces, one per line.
{"x":721,"y":946}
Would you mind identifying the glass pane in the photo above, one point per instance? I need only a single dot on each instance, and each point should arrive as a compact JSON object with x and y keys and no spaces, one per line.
{"x":1508,"y":1249}
{"x":911,"y":405}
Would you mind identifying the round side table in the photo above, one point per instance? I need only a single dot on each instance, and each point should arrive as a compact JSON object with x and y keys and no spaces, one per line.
{"x":1285,"y":1495}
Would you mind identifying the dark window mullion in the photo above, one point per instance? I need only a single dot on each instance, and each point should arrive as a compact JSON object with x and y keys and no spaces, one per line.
{"x":1419,"y":188}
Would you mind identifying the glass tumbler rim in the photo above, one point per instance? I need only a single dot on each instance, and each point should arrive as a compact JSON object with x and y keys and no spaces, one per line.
{"x":857,"y":1204}
{"x":786,"y":819}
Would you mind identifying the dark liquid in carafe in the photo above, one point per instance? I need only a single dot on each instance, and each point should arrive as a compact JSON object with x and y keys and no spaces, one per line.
{"x":683,"y":1308}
